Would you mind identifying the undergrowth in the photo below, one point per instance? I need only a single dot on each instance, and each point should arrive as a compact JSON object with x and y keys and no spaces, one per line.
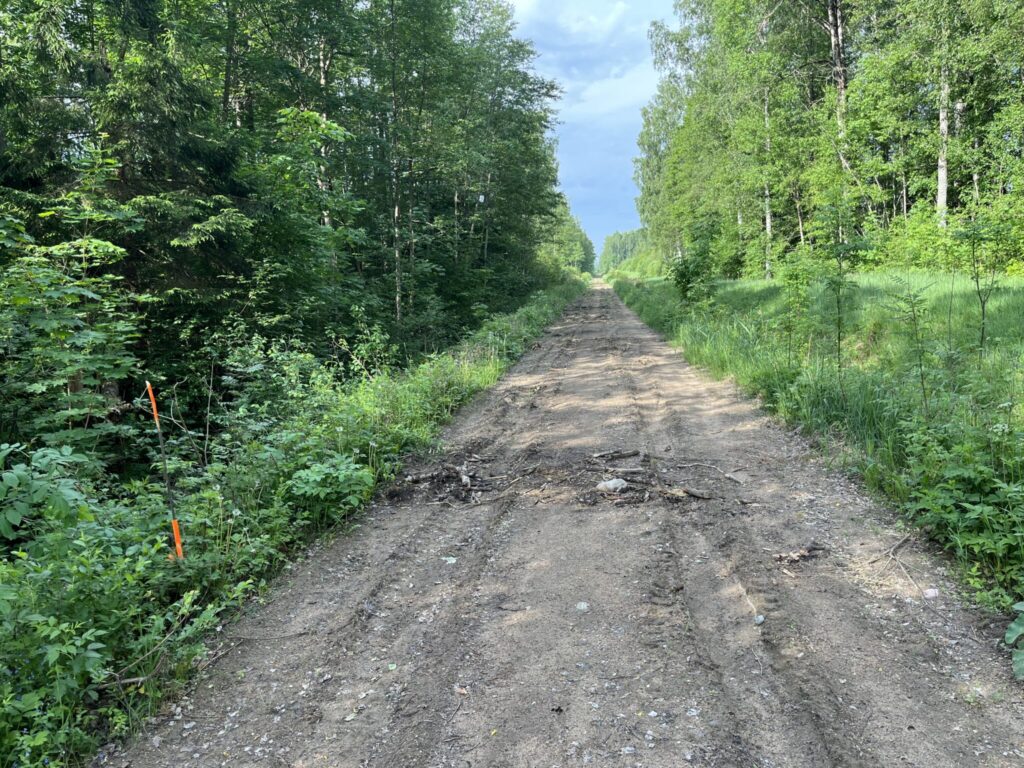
{"x":918,"y":379}
{"x":97,"y":623}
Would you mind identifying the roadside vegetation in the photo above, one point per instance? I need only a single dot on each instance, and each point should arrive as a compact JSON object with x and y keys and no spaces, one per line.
{"x":832,"y":214}
{"x":99,"y":620}
{"x":937,"y":427}
{"x":315,"y":229}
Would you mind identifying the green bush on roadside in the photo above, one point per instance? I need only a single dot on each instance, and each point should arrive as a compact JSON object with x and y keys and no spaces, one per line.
{"x":96,"y":623}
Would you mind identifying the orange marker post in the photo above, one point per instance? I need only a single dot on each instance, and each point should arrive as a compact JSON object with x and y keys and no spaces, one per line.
{"x":179,"y":551}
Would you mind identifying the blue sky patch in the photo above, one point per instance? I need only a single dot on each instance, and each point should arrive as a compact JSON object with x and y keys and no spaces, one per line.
{"x":598,"y":51}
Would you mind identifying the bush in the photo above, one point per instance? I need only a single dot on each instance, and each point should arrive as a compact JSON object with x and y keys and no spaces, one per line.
{"x":97,"y":623}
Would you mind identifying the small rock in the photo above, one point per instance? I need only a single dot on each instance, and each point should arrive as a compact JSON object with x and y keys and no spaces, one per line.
{"x":931,"y":594}
{"x":615,"y":485}
{"x":759,"y":620}
{"x":583,"y":607}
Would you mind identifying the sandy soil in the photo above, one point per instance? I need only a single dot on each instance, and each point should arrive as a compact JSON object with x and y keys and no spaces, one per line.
{"x":531,"y":620}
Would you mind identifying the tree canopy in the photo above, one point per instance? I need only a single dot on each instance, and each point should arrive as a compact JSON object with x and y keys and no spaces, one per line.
{"x":780,"y":126}
{"x":282,"y":168}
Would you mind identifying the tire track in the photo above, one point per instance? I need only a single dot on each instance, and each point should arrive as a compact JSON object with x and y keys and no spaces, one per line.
{"x":545,"y":624}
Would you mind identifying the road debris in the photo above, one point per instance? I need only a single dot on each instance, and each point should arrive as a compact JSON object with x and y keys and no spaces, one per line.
{"x":615,"y":485}
{"x":678,"y":494}
{"x":614,"y":455}
{"x":798,"y":556}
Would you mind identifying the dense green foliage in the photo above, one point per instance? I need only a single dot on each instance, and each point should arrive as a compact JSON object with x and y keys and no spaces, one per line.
{"x":646,"y":263}
{"x":94,"y":617}
{"x":867,"y":125}
{"x":939,"y":422}
{"x":271,"y":167}
{"x":566,"y":245}
{"x":268,"y":210}
{"x":622,"y":246}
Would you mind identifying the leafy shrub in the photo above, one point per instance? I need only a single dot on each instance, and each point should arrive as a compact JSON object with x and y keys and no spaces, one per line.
{"x":96,"y":623}
{"x":65,"y":336}
{"x":36,"y":488}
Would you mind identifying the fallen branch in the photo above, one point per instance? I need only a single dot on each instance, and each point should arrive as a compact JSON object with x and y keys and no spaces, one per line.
{"x":805,"y":553}
{"x":723,"y":473}
{"x":891,"y":552}
{"x":122,"y":682}
{"x":268,"y":638}
{"x":615,"y":455}
{"x":683,"y":493}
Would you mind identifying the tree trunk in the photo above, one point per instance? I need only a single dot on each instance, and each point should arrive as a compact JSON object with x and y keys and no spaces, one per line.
{"x":410,"y":211}
{"x":942,"y":170}
{"x":487,"y":218}
{"x":799,"y":216}
{"x":229,"y":58}
{"x":767,"y":191}
{"x":3,"y":104}
{"x":767,"y":232}
{"x":904,"y":194}
{"x":396,"y":244}
{"x":975,"y":176}
{"x":324,"y":181}
{"x":837,"y":47}
{"x":456,"y":220}
{"x":396,"y":192}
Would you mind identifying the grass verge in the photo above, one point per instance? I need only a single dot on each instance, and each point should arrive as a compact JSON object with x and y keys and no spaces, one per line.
{"x":936,"y":416}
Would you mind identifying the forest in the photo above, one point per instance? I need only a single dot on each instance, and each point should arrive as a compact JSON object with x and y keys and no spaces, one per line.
{"x":254,"y":254}
{"x":313,"y":229}
{"x":832,"y":209}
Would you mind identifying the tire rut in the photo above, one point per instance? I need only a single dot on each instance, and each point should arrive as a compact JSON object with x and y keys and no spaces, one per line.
{"x":533,"y":621}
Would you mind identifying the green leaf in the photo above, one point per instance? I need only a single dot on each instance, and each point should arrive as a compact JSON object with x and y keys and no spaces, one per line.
{"x":1018,"y":664}
{"x":1015,"y":631}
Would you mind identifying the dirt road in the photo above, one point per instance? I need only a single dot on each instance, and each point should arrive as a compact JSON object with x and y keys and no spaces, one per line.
{"x":528,"y":620}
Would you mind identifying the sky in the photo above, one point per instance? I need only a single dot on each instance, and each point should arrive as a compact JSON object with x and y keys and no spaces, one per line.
{"x":598,"y":51}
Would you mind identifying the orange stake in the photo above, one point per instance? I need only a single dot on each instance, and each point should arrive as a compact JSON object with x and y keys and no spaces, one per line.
{"x":152,"y":400}
{"x":175,"y":528}
{"x":177,"y":540}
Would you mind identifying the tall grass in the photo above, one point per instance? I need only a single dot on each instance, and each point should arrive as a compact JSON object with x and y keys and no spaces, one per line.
{"x":937,"y":421}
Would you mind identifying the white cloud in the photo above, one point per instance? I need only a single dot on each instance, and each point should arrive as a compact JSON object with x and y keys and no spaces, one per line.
{"x":622,"y":92}
{"x":584,"y":21}
{"x":598,"y":51}
{"x":590,"y":23}
{"x":524,"y":9}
